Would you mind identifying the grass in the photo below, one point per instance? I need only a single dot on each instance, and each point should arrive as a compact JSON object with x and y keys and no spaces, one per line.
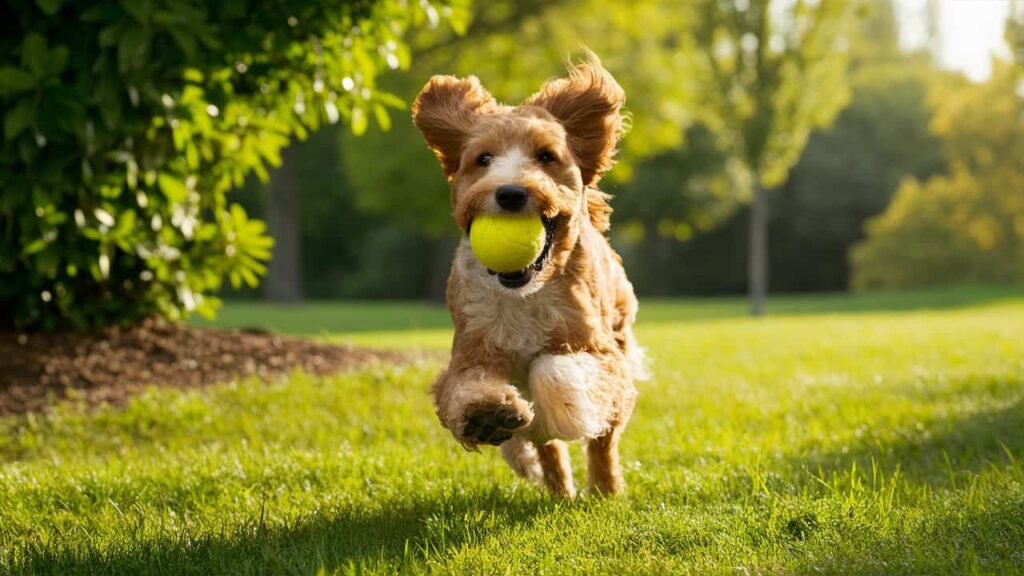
{"x":357,"y":317}
{"x":870,"y":436}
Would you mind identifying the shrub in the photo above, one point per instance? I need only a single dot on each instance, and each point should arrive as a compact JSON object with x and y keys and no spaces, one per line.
{"x":918,"y":242}
{"x":125,"y":122}
{"x":967,"y":226}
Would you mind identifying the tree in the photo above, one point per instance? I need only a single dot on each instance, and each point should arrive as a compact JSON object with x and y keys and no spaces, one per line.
{"x":126,"y":122}
{"x":777,"y":71}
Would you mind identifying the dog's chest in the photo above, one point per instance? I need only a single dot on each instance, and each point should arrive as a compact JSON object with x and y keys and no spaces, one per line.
{"x":503,"y":321}
{"x":510,"y":323}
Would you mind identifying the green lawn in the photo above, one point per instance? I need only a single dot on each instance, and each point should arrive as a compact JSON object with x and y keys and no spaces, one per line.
{"x":355,"y":317}
{"x":882,"y":434}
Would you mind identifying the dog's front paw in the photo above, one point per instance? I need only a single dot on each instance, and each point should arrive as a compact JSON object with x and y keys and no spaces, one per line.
{"x":480,"y":408}
{"x":494,"y":424}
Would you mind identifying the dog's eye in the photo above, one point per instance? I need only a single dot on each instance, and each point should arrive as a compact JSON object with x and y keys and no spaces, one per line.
{"x":545,"y":157}
{"x":485,"y":159}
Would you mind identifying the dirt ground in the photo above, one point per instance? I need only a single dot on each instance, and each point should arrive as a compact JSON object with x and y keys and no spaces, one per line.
{"x":108,"y":366}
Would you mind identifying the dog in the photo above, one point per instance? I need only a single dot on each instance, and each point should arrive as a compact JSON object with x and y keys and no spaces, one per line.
{"x":547,"y":354}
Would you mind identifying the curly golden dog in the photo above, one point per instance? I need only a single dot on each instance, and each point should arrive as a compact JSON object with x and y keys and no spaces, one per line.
{"x":544,"y":355}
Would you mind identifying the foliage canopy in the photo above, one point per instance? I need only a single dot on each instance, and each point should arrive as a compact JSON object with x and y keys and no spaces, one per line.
{"x":776,"y":71}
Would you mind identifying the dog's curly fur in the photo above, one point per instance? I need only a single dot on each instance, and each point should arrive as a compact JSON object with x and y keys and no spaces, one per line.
{"x":553,"y":359}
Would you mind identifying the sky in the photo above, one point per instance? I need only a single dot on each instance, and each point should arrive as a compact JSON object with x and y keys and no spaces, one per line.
{"x":970,"y":31}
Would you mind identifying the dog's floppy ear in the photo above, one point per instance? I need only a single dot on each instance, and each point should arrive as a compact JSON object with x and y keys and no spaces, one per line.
{"x":588,"y":103}
{"x":445,"y":110}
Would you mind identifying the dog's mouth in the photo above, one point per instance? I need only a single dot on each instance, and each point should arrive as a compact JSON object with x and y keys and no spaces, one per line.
{"x":513,"y":280}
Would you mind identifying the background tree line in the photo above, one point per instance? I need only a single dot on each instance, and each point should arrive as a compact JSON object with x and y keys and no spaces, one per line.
{"x":784,"y":143}
{"x":682,"y":202}
{"x":719,"y":110}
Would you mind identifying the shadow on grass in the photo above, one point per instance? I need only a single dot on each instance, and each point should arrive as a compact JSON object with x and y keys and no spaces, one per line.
{"x":964,"y":471}
{"x":392,"y":538}
{"x":980,"y":542}
{"x":947,"y":453}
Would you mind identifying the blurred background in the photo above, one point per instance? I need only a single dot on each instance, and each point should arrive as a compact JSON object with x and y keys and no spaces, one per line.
{"x":912,"y":176}
{"x":775,"y":146}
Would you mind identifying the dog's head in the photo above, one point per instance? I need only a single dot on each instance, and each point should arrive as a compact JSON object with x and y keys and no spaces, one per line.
{"x":540,"y":157}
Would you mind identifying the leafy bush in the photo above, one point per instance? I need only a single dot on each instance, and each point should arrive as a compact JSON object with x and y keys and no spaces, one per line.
{"x":125,"y":122}
{"x":916,"y":243}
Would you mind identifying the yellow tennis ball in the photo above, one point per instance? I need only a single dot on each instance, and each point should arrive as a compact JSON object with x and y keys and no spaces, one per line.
{"x":506,"y":242}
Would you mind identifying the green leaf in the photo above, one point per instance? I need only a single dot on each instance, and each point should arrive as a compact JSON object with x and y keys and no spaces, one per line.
{"x":34,"y":54}
{"x":250,"y":279}
{"x":15,"y":80}
{"x":125,"y":223}
{"x":57,"y":61}
{"x":173,"y":188}
{"x":383,"y":118}
{"x":193,"y":75}
{"x":390,"y":100}
{"x":35,"y":246}
{"x":359,"y":121}
{"x":49,"y":7}
{"x":132,"y":48}
{"x":19,"y":118}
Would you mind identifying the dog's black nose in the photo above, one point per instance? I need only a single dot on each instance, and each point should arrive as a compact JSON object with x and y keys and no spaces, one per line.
{"x":510,"y":197}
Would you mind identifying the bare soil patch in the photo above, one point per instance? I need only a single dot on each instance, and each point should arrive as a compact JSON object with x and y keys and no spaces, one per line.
{"x":108,"y":366}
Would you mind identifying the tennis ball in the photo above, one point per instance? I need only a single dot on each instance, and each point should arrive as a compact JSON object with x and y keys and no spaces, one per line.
{"x":506,"y":242}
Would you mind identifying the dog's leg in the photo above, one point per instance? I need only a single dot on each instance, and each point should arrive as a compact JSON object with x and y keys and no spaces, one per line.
{"x":604,"y":474}
{"x":554,"y":461}
{"x":521,"y":455}
{"x":479,"y":406}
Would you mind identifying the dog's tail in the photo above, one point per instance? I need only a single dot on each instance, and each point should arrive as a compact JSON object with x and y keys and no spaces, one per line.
{"x":521,"y":456}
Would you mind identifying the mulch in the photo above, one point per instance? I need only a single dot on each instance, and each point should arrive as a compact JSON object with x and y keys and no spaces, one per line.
{"x":108,"y":366}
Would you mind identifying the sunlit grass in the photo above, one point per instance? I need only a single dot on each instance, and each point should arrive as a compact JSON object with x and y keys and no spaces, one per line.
{"x":878,"y":442}
{"x":355,"y":317}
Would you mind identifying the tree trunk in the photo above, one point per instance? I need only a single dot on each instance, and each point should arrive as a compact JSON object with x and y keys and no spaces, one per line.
{"x":757,"y":260}
{"x":284,"y":220}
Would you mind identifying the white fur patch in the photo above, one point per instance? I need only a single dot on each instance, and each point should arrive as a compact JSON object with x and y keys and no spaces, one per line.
{"x":507,"y":166}
{"x":559,"y":386}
